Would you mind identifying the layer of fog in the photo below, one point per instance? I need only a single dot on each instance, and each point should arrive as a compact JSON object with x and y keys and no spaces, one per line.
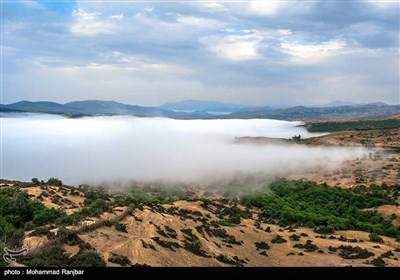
{"x":99,"y":149}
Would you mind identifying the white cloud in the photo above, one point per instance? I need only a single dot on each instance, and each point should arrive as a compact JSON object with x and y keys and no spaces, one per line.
{"x":149,"y":48}
{"x":197,"y":21}
{"x":234,"y":47}
{"x":312,"y":52}
{"x":117,"y":61}
{"x":266,"y":8}
{"x":89,"y":23}
{"x":118,"y":57}
{"x":211,"y":6}
{"x":364,"y":28}
{"x":284,"y":32}
{"x":117,"y":17}
{"x":384,"y":4}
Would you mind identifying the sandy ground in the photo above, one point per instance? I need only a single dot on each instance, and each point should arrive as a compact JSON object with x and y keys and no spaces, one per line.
{"x":107,"y":241}
{"x":57,"y":197}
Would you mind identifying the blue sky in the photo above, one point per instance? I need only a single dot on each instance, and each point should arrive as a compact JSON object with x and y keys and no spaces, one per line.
{"x":249,"y":52}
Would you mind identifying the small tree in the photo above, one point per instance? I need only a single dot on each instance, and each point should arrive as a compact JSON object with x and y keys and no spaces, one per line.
{"x":374,"y":237}
{"x":35,"y":181}
{"x":54,"y":182}
{"x":296,"y":137}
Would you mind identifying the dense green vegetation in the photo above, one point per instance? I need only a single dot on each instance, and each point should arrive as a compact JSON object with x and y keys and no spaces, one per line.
{"x":358,"y":125}
{"x":54,"y":182}
{"x":121,"y":260}
{"x":308,"y":204}
{"x":226,"y":223}
{"x":55,"y":256}
{"x":138,"y":197}
{"x":18,"y":213}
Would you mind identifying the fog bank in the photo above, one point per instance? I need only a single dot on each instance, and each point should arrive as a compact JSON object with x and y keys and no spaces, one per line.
{"x":99,"y":149}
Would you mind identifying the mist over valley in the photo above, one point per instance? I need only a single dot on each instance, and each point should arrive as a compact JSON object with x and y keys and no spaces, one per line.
{"x":94,"y":149}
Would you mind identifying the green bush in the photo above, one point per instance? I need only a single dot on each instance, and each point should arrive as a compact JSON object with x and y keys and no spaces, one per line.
{"x":324,"y":229}
{"x":262,"y":245}
{"x":16,"y":211}
{"x":278,"y":239}
{"x":46,"y":216}
{"x":227,"y":260}
{"x":54,"y":182}
{"x":35,"y":181}
{"x":294,"y":237}
{"x":309,"y":204}
{"x":374,"y":237}
{"x":121,"y":227}
{"x":351,"y":125}
{"x":226,"y":223}
{"x":86,"y":258}
{"x":350,"y":252}
{"x":40,"y":231}
{"x":140,"y":197}
{"x":53,"y":256}
{"x":308,"y":246}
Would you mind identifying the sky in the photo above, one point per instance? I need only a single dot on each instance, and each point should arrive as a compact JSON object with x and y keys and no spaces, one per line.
{"x":245,"y":52}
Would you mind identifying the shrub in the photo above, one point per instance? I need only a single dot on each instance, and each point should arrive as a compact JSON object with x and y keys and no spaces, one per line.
{"x":374,"y":237}
{"x":294,"y":237}
{"x":278,"y":239}
{"x":308,"y":246}
{"x":195,"y":248}
{"x":140,"y":265}
{"x":262,"y":245}
{"x":35,"y":181}
{"x":146,"y":245}
{"x":87,"y":258}
{"x":225,"y":259}
{"x":350,"y":252}
{"x":387,"y":254}
{"x":121,"y":260}
{"x":308,"y":204}
{"x":121,"y":227}
{"x":54,"y":182}
{"x":53,"y":256}
{"x":46,"y":216}
{"x":379,"y":262}
{"x":40,"y":231}
{"x":324,"y":229}
{"x":166,"y":244}
{"x":226,"y":223}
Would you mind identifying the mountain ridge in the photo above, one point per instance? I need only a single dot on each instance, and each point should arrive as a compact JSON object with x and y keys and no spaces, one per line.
{"x":99,"y":107}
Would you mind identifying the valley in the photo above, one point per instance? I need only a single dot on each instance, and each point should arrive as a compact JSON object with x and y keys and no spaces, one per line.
{"x":348,"y":216}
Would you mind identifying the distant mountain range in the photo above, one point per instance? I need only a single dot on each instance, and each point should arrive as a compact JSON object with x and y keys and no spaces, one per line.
{"x":193,"y":109}
{"x":92,"y":108}
{"x":337,"y":103}
{"x":303,"y":113}
{"x":203,"y":106}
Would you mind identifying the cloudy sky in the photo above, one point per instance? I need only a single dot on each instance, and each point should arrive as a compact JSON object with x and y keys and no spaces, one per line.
{"x":249,"y":52}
